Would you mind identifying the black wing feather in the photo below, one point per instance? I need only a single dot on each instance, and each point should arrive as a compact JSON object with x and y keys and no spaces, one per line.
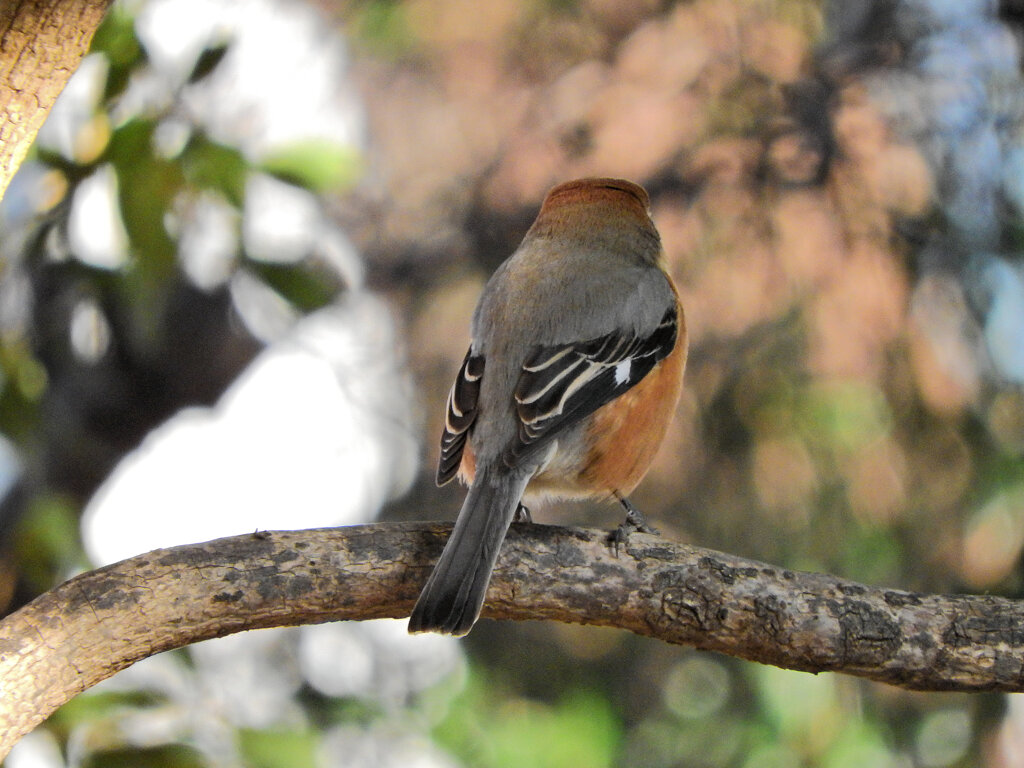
{"x":460,"y":415}
{"x":563,"y":384}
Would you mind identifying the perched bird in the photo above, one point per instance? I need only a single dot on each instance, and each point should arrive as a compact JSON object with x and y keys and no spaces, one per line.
{"x":572,"y":376}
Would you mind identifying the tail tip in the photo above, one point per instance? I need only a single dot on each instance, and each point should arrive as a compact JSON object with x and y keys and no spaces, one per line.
{"x":457,"y":625}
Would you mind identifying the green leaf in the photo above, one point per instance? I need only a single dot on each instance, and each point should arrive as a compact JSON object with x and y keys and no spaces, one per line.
{"x":48,"y":542}
{"x":300,"y":285}
{"x":772,"y":755}
{"x":578,"y":732}
{"x":116,"y":39}
{"x":316,"y":164}
{"x":210,"y":165}
{"x":147,"y":187}
{"x":93,"y":706}
{"x":383,"y":26}
{"x":872,"y":555}
{"x":860,"y":744}
{"x":164,"y":756}
{"x":798,"y":704}
{"x":279,"y":749}
{"x":490,"y":731}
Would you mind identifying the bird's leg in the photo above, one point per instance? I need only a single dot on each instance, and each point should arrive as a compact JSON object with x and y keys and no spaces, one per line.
{"x":635,"y":521}
{"x":634,"y":517}
{"x":522,"y":514}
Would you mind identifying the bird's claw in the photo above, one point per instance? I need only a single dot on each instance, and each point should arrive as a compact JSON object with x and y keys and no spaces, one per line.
{"x":635,"y":521}
{"x":522,"y":514}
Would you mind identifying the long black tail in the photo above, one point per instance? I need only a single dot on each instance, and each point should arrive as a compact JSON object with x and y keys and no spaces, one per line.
{"x":450,"y":602}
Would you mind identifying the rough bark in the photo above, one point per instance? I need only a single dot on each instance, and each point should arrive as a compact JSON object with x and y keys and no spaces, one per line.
{"x":41,"y":43}
{"x":102,"y":621}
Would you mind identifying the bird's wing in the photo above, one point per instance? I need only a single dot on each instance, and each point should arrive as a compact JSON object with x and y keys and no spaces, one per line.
{"x":462,"y":410}
{"x":560,"y":385}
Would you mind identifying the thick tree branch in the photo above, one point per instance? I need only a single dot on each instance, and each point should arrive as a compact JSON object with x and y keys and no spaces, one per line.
{"x":102,"y":621}
{"x":41,"y":43}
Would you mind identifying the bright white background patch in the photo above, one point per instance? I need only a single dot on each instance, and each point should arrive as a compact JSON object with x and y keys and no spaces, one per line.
{"x":317,"y":431}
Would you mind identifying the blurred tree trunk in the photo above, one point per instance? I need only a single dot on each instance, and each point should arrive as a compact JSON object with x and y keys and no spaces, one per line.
{"x":41,"y":44}
{"x":100,"y":622}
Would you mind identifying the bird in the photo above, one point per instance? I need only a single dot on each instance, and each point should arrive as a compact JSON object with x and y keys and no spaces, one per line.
{"x":574,"y":370}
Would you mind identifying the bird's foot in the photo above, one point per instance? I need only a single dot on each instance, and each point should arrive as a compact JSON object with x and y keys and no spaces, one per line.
{"x":635,"y":521}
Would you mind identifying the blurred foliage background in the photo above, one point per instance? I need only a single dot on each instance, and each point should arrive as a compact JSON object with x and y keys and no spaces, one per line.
{"x":235,"y":284}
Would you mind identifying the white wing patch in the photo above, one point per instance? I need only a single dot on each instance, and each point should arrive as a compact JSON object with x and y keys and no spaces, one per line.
{"x":622,"y":371}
